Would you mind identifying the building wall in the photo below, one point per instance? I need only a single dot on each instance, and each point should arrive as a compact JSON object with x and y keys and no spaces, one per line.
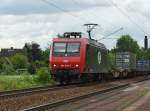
{"x":9,"y":52}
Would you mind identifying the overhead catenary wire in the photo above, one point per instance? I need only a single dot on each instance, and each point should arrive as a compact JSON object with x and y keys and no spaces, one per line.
{"x":105,"y":37}
{"x":110,"y":38}
{"x":93,"y":14}
{"x":128,"y":17}
{"x":137,"y":17}
{"x":51,"y":3}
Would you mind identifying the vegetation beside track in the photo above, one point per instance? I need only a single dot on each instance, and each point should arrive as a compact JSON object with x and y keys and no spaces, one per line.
{"x":25,"y":70}
{"x":12,"y":82}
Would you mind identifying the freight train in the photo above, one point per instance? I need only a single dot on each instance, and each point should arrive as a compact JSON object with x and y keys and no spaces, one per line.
{"x":74,"y":58}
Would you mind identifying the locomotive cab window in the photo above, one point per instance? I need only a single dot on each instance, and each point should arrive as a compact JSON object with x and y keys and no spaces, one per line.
{"x":73,"y":47}
{"x":68,"y":48}
{"x":59,"y":47}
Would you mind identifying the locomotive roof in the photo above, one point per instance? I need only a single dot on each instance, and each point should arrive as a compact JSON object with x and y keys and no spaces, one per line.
{"x":98,"y":44}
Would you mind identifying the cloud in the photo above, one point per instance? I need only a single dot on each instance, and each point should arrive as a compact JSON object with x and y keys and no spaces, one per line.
{"x":26,"y":21}
{"x":22,"y":7}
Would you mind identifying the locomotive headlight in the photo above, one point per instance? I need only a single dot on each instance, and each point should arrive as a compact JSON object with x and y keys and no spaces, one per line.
{"x":54,"y":65}
{"x":77,"y":65}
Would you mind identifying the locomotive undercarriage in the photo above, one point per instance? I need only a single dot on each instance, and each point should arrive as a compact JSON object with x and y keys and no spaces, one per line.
{"x":91,"y":77}
{"x":73,"y":75}
{"x":66,"y":76}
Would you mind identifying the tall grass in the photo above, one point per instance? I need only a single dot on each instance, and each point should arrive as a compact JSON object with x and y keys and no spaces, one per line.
{"x":19,"y":82}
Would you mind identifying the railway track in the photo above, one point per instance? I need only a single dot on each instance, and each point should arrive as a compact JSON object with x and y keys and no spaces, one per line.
{"x":22,"y":92}
{"x":77,"y":98}
{"x":15,"y":93}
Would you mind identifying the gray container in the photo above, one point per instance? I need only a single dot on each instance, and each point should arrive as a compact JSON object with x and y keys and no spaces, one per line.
{"x":126,"y":60}
{"x":142,"y":65}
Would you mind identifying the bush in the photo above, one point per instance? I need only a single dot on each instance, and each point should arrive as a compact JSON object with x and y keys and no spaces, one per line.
{"x":19,"y":61}
{"x":43,"y":75}
{"x":8,"y":69}
{"x":11,"y":82}
{"x":111,"y":59}
{"x":39,"y":64}
{"x":31,"y":68}
{"x":1,"y":64}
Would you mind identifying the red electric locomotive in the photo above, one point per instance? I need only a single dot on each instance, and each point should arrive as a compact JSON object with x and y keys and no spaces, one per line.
{"x":75,"y":58}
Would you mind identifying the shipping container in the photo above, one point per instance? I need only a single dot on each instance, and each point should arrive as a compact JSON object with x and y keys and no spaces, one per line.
{"x":126,"y":61}
{"x":148,"y":65}
{"x":142,"y":65}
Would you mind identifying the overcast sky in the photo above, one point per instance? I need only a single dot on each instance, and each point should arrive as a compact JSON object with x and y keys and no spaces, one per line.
{"x":24,"y":21}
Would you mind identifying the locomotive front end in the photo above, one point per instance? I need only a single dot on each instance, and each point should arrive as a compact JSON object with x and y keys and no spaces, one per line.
{"x":66,"y":59}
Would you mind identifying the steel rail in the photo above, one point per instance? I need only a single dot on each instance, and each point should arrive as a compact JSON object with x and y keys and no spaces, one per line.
{"x":14,"y":93}
{"x":73,"y":99}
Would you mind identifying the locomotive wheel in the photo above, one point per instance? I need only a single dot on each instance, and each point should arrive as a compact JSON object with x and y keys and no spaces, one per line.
{"x":99,"y":77}
{"x":68,"y":81}
{"x":90,"y":77}
{"x":84,"y":78}
{"x":61,"y":82}
{"x":116,"y":74}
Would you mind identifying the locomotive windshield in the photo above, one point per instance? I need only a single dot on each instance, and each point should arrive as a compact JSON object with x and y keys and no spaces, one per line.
{"x":59,"y":47}
{"x":66,"y":49}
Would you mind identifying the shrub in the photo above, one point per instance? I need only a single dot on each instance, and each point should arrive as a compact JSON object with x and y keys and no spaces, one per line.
{"x":1,"y":64}
{"x":39,"y":64}
{"x":31,"y":68}
{"x":12,"y":82}
{"x":111,"y":59}
{"x":19,"y":61}
{"x":8,"y":69}
{"x":43,"y":75}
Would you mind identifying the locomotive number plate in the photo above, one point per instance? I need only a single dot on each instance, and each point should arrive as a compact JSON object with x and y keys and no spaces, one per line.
{"x":66,"y":61}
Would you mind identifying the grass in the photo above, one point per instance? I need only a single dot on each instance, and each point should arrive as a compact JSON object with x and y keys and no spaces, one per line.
{"x":12,"y":82}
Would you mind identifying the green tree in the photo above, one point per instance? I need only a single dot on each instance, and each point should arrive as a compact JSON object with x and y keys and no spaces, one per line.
{"x":34,"y":51}
{"x":28,"y":48}
{"x":45,"y":56}
{"x":39,"y":64}
{"x":19,"y":61}
{"x":141,"y":54}
{"x":1,"y":63}
{"x":127,"y":43}
{"x":32,"y":68}
{"x":111,"y":59}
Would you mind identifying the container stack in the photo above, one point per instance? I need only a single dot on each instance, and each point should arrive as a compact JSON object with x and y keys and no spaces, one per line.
{"x":143,"y":65}
{"x":126,"y":60}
